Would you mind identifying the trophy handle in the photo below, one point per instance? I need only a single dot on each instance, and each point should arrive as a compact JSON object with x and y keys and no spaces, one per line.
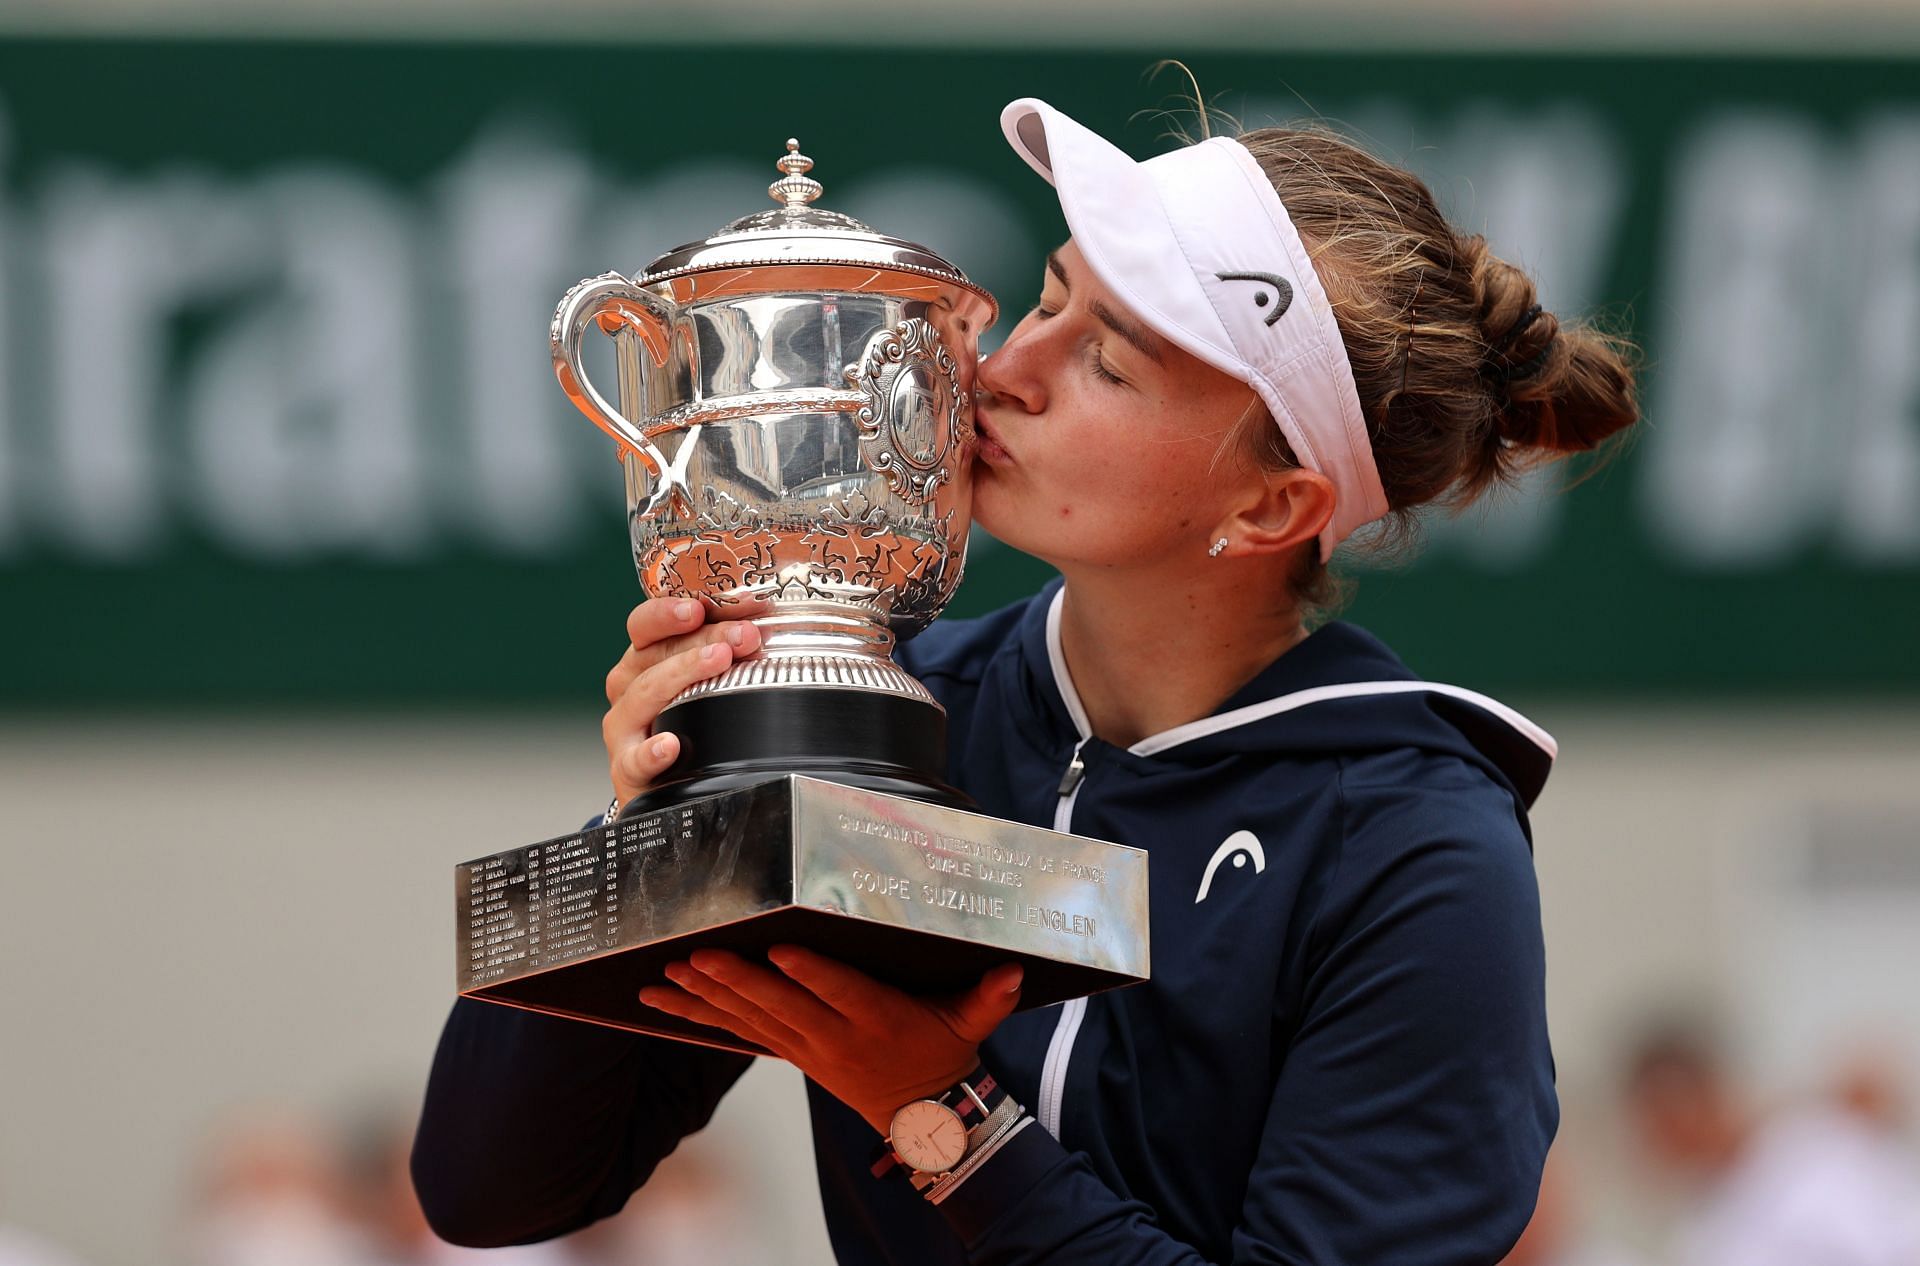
{"x":614,"y":302}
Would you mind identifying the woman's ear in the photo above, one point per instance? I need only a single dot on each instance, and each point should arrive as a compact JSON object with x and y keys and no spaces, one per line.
{"x":1284,"y":509}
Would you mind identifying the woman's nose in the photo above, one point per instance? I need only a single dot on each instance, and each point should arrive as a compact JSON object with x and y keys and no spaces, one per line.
{"x":1009,"y":374}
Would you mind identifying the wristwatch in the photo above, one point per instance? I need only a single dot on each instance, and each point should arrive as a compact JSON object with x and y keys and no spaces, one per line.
{"x":931,"y":1137}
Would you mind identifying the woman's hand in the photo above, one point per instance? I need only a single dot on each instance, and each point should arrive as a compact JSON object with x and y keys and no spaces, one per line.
{"x":868,"y":1045}
{"x":672,"y":648}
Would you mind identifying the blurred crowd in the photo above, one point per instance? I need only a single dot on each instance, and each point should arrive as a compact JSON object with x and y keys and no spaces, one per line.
{"x":1829,"y":1176}
{"x":279,"y":1188}
{"x":1722,"y":1177}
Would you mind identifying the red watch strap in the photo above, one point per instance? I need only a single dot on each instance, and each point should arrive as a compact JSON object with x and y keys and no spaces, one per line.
{"x":982,"y":1088}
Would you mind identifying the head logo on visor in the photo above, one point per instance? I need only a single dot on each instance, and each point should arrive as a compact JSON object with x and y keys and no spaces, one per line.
{"x":1281,"y":298}
{"x":1197,"y":244}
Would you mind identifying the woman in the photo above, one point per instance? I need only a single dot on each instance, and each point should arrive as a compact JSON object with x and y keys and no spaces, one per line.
{"x":1248,"y":349}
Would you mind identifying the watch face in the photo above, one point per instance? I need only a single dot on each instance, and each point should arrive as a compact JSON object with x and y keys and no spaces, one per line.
{"x":928,"y":1136}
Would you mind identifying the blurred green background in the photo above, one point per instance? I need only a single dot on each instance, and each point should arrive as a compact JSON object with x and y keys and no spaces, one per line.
{"x":276,"y":377}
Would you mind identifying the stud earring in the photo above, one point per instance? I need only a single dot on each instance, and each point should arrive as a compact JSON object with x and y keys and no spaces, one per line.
{"x":1218,"y":545}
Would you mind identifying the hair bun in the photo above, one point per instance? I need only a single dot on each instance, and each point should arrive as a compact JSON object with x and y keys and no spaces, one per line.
{"x":1559,"y":388}
{"x":1465,"y":379}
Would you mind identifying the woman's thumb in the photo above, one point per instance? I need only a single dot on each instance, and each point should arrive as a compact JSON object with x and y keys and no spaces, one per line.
{"x":983,"y":1007}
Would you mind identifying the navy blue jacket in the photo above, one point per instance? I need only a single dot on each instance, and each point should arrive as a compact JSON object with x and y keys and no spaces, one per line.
{"x":1341,"y":1058}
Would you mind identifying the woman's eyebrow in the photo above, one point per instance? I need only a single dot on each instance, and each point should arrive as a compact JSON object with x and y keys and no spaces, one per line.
{"x":1136,"y":334}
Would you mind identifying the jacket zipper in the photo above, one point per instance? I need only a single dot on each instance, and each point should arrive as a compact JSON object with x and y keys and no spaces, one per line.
{"x":1053,"y":1073}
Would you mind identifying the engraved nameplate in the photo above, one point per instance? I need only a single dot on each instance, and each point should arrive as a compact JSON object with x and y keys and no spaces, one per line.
{"x":971,"y":877}
{"x":924,"y":897}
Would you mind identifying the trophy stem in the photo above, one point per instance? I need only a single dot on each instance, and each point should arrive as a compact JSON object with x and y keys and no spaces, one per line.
{"x":824,"y":633}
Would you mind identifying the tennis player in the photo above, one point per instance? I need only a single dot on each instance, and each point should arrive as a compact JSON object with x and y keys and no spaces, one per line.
{"x":1249,"y":349}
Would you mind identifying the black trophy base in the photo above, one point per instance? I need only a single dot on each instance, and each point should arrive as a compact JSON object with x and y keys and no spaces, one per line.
{"x":923,"y":897}
{"x":857,"y":738}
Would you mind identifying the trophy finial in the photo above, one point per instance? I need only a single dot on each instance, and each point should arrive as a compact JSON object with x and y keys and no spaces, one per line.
{"x":795,"y":189}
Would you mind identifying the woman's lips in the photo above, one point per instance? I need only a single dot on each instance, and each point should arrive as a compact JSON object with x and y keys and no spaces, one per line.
{"x":991,"y":450}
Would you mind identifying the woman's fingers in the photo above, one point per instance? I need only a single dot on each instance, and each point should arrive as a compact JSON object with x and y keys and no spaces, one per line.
{"x":848,"y":991}
{"x":658,"y":636}
{"x":642,"y":760}
{"x":673,"y":646}
{"x":738,"y":998}
{"x":658,"y":619}
{"x":677,"y":1001}
{"x":630,"y":720}
{"x":769,"y":992}
{"x":650,"y":625}
{"x":634,"y":711}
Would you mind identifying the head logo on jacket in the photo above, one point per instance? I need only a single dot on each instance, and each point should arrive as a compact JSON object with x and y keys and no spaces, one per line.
{"x":1239,"y":846}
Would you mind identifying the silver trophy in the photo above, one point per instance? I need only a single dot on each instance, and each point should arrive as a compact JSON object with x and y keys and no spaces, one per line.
{"x":794,"y":405}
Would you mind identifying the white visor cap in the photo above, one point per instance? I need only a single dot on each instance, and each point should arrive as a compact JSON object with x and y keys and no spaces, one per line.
{"x":1196,"y":244}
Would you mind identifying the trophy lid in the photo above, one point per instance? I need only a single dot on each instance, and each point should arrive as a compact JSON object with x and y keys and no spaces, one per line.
{"x":798,"y":233}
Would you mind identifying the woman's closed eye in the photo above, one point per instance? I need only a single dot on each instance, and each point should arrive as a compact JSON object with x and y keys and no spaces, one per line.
{"x":1099,"y":367}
